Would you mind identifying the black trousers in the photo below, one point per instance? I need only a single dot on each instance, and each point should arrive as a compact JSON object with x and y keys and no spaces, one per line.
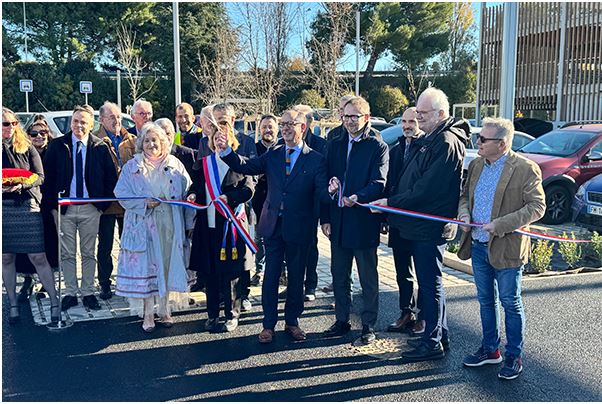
{"x":405,"y":273}
{"x":106,"y":233}
{"x":231,"y":292}
{"x":276,"y":250}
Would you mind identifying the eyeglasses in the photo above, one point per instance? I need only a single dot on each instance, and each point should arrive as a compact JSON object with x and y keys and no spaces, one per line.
{"x":36,"y":133}
{"x":352,"y":118}
{"x":7,"y":124}
{"x":144,"y":114}
{"x":424,"y":112}
{"x":290,"y":124}
{"x":486,"y":139}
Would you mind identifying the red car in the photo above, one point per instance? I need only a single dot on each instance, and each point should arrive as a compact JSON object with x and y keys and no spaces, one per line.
{"x":567,"y":157}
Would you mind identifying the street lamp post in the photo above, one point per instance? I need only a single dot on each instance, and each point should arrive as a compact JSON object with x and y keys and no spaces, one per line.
{"x":357,"y":52}
{"x":176,"y":53}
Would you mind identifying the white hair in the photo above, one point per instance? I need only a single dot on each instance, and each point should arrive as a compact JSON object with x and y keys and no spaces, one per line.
{"x":139,"y":103}
{"x":106,"y":106}
{"x":151,"y":127}
{"x":167,"y":125}
{"x":504,"y":129}
{"x":438,"y":99}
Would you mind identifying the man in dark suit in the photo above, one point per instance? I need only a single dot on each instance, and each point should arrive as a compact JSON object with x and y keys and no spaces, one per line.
{"x":399,"y":157}
{"x":320,"y":145}
{"x":295,"y":174}
{"x":141,"y":113}
{"x":79,"y":165}
{"x":340,"y":130}
{"x":268,"y":130}
{"x":358,"y":164}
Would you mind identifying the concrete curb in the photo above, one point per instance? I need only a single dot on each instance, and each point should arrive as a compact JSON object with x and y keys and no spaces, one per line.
{"x":451,"y":260}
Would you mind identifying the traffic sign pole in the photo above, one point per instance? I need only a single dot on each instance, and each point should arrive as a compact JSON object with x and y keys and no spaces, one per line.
{"x":86,"y":98}
{"x":27,"y":102}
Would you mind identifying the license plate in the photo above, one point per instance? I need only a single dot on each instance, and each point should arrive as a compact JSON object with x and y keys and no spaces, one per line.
{"x":594,"y":210}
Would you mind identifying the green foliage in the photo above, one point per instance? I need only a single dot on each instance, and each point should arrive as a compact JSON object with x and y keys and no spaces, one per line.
{"x":596,"y":245}
{"x":571,"y":252}
{"x":387,"y":102}
{"x":453,"y":247}
{"x":311,"y":98}
{"x":541,"y":255}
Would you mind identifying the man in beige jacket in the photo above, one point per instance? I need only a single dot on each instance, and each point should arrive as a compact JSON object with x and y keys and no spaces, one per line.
{"x":504,"y":192}
{"x":122,"y":145}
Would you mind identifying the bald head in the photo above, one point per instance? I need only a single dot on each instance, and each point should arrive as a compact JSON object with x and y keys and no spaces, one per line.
{"x":409,"y":122}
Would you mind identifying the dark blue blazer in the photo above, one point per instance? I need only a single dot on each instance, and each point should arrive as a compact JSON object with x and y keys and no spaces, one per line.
{"x":295,"y":193}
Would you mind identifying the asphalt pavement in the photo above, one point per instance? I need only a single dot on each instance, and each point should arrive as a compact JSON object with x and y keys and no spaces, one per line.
{"x":114,"y":360}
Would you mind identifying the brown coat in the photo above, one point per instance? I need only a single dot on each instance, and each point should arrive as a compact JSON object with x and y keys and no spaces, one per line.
{"x":519,"y":201}
{"x":127,"y":149}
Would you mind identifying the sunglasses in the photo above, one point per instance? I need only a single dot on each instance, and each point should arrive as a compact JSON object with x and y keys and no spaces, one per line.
{"x":7,"y":124}
{"x":486,"y":139}
{"x":35,"y":133}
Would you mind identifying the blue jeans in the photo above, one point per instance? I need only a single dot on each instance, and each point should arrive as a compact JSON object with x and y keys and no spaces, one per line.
{"x":506,"y":284}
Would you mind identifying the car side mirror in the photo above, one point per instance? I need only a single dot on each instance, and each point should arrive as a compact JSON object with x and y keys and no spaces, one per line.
{"x":593,"y":156}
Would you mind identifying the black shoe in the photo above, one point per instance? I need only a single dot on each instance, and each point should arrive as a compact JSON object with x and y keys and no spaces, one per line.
{"x":424,"y":353}
{"x":416,"y":342}
{"x":68,"y":302}
{"x":105,"y":293}
{"x":282,"y":295}
{"x":212,"y":325}
{"x":91,"y":302}
{"x":256,"y":279}
{"x":368,"y":335}
{"x":337,"y":329}
{"x":14,"y":316}
{"x":25,"y":290}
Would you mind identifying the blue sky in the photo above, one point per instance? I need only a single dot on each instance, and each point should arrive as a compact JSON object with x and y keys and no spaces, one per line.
{"x":348,"y":60}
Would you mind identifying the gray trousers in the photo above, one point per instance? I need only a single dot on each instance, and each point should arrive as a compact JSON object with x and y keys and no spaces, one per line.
{"x":82,"y":219}
{"x":367,"y":263}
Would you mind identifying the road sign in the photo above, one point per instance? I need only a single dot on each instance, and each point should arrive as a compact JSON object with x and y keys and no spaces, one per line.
{"x":85,"y":87}
{"x":26,"y":86}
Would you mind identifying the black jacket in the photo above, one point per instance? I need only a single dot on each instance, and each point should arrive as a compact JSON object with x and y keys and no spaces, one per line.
{"x":431,"y":183}
{"x":186,"y":155}
{"x":100,"y":174}
{"x":30,"y":161}
{"x":336,"y":133}
{"x":294,"y":193}
{"x":261,"y":188}
{"x":366,"y":175}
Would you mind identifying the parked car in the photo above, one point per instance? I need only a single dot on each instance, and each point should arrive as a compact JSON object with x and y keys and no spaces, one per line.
{"x":587,"y":205}
{"x":239,"y":126}
{"x":568,"y":157}
{"x":379,"y":125}
{"x":60,"y":121}
{"x":395,"y":121}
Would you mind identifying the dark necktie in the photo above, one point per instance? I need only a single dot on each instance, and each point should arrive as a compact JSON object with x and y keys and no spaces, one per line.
{"x":288,"y":161}
{"x":406,"y":152}
{"x":79,"y":171}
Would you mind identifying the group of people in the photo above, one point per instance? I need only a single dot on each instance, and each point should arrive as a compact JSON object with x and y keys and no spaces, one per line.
{"x":289,"y":184}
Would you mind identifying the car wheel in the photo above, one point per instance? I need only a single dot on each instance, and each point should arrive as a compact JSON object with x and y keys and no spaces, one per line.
{"x":558,"y":205}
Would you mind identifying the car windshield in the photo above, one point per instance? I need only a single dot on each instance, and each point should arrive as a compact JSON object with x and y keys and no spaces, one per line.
{"x":559,"y":143}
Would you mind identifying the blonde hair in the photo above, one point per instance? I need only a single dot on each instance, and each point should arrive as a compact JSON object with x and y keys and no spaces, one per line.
{"x":232,"y":140}
{"x":21,"y":141}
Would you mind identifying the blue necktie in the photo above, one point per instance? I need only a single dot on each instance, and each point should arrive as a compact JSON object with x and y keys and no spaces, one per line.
{"x":79,"y":172}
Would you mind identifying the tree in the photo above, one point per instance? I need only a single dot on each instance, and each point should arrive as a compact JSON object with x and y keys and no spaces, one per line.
{"x":311,"y":98}
{"x":335,"y":18}
{"x":130,"y":58}
{"x":387,"y":101}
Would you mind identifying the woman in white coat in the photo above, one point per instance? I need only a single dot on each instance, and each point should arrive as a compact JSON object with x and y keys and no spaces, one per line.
{"x":151,"y":260}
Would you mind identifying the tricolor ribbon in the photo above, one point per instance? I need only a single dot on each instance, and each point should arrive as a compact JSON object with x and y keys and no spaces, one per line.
{"x":229,"y":215}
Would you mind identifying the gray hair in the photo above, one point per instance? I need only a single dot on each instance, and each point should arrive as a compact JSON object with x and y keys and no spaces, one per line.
{"x":139,"y":103}
{"x":167,"y":125}
{"x":226,"y":109}
{"x":307,"y":111}
{"x":106,"y":106}
{"x":207,"y":111}
{"x":438,"y":98}
{"x":504,"y":129}
{"x":151,"y":127}
{"x":295,"y":114}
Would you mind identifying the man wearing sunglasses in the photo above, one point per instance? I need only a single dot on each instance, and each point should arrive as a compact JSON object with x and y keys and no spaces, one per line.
{"x":430,"y":184}
{"x":504,"y":191}
{"x":357,"y":164}
{"x":142,"y":112}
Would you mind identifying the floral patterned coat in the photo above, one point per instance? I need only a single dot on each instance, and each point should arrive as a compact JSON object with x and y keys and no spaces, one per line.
{"x":140,"y":270}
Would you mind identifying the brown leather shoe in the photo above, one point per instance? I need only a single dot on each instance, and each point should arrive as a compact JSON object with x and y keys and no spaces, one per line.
{"x":418,"y":329}
{"x":295,"y":332}
{"x":402,"y":324}
{"x":266,"y":336}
